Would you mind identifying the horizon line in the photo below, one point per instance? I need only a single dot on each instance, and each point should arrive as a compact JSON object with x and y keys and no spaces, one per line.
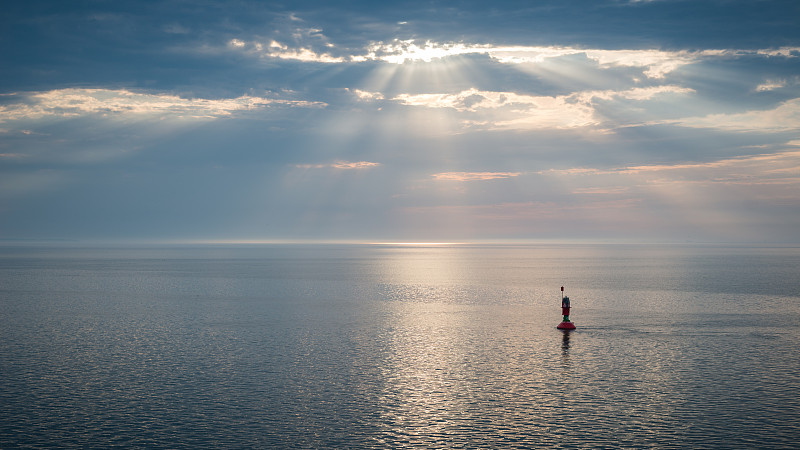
{"x":387,"y":242}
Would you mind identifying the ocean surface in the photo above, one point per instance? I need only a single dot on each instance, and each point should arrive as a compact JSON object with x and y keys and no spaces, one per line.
{"x":386,"y":346}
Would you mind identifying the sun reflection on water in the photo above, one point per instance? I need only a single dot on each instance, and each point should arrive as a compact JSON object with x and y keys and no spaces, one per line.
{"x":426,"y":371}
{"x":453,"y":367}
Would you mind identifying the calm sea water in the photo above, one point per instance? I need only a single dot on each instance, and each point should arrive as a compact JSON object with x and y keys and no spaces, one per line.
{"x":391,"y":346}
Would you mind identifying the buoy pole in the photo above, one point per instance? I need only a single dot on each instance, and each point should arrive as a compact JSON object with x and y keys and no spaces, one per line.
{"x":565,"y":307}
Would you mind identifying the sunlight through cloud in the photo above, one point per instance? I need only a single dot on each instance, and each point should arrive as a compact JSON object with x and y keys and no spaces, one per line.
{"x":656,"y":64}
{"x":369,"y":125}
{"x":508,"y":110}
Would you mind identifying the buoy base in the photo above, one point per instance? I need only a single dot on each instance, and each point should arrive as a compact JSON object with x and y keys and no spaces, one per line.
{"x":566,"y":326}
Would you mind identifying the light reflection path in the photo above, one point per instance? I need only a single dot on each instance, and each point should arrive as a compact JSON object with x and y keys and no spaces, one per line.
{"x":426,"y":372}
{"x":455,"y":370}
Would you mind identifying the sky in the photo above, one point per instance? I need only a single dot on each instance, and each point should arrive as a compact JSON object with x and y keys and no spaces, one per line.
{"x":421,"y":121}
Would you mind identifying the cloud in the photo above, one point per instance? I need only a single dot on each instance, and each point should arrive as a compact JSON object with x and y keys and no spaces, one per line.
{"x":354,"y":165}
{"x":111,"y":102}
{"x":344,"y":165}
{"x":365,"y":95}
{"x":473,"y":176}
{"x":770,"y":85}
{"x":784,"y":52}
{"x":656,"y":63}
{"x":401,"y":51}
{"x":763,"y":164}
{"x":275,"y":49}
{"x":768,"y":168}
{"x":639,"y":94}
{"x":785,"y":117}
{"x":311,"y":46}
{"x":508,"y":110}
{"x":294,"y":43}
{"x":469,"y":100}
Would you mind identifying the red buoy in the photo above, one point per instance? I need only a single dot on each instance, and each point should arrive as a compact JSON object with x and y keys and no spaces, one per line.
{"x":565,"y":307}
{"x":566,"y":326}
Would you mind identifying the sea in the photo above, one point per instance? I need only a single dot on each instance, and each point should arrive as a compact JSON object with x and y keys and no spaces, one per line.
{"x":397,"y":346}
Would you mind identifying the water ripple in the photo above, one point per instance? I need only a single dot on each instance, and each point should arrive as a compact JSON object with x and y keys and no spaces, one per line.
{"x":385,"y":349}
